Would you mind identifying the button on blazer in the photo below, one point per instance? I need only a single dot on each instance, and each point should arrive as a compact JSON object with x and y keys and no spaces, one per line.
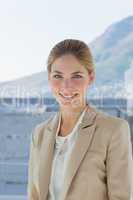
{"x":100,"y":165}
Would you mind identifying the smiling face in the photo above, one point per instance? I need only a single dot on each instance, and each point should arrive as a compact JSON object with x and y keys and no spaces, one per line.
{"x":69,"y":81}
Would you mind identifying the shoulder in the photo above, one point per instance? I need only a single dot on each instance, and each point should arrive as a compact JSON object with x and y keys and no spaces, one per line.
{"x":109,"y":120}
{"x":38,"y":131}
{"x":111,"y":123}
{"x":112,"y":129}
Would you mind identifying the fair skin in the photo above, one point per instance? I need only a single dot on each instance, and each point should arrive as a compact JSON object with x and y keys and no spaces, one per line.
{"x":69,"y":81}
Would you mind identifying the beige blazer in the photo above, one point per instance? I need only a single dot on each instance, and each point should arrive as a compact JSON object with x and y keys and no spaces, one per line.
{"x":100,"y":166}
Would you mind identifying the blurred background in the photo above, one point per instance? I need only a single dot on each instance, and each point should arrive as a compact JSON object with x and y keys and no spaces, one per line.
{"x":28,"y":31}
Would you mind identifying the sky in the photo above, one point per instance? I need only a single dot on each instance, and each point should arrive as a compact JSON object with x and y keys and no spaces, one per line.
{"x":29,"y":29}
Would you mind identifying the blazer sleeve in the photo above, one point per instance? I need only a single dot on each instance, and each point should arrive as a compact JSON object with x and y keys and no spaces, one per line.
{"x":31,"y":189}
{"x":120,"y":164}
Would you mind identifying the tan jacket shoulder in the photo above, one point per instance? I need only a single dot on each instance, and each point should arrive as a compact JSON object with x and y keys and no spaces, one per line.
{"x":38,"y":131}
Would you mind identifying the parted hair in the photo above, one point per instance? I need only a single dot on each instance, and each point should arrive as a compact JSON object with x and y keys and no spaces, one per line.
{"x":75,"y":47}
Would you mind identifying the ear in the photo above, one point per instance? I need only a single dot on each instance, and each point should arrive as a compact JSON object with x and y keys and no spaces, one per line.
{"x":48,"y":76}
{"x":91,"y":77}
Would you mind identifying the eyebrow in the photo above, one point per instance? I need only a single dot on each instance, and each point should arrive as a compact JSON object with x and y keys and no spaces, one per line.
{"x":77,"y":72}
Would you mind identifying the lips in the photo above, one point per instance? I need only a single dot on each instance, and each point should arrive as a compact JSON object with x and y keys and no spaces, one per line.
{"x":68,"y":96}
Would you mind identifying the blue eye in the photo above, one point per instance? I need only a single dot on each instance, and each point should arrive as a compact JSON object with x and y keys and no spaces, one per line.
{"x":77,"y":76}
{"x":57,"y":76}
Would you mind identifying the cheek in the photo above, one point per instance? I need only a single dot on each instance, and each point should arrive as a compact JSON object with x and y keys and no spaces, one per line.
{"x":81,"y":84}
{"x":54,"y":84}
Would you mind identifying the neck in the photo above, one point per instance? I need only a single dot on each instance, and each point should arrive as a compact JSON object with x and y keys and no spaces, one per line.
{"x":70,"y":116}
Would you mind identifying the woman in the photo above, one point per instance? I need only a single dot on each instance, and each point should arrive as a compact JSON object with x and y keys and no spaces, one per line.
{"x":80,"y":152}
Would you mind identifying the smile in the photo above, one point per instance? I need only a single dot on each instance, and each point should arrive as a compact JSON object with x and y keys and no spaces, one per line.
{"x":68,"y":97}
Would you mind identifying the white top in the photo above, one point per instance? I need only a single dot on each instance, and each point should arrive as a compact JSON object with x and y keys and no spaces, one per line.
{"x":63,"y":148}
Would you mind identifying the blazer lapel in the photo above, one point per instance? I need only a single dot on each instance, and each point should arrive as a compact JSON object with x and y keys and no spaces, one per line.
{"x":46,"y":156}
{"x":86,"y":130}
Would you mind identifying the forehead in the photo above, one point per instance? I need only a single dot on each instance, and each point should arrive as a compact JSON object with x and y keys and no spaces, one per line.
{"x":67,"y":63}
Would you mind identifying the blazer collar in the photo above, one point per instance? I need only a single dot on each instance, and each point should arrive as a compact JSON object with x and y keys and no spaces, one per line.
{"x":86,"y":130}
{"x":90,"y":114}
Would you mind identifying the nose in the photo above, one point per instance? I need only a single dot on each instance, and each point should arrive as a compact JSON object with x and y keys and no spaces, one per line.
{"x":66,"y":83}
{"x":67,"y":87}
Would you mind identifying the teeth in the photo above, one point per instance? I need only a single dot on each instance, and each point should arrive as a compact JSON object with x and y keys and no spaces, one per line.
{"x":67,"y":96}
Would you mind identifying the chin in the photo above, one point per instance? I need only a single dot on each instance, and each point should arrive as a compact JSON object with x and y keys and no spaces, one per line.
{"x":74,"y":105}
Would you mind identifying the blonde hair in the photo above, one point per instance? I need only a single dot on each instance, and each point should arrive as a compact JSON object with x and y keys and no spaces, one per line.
{"x":75,"y":47}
